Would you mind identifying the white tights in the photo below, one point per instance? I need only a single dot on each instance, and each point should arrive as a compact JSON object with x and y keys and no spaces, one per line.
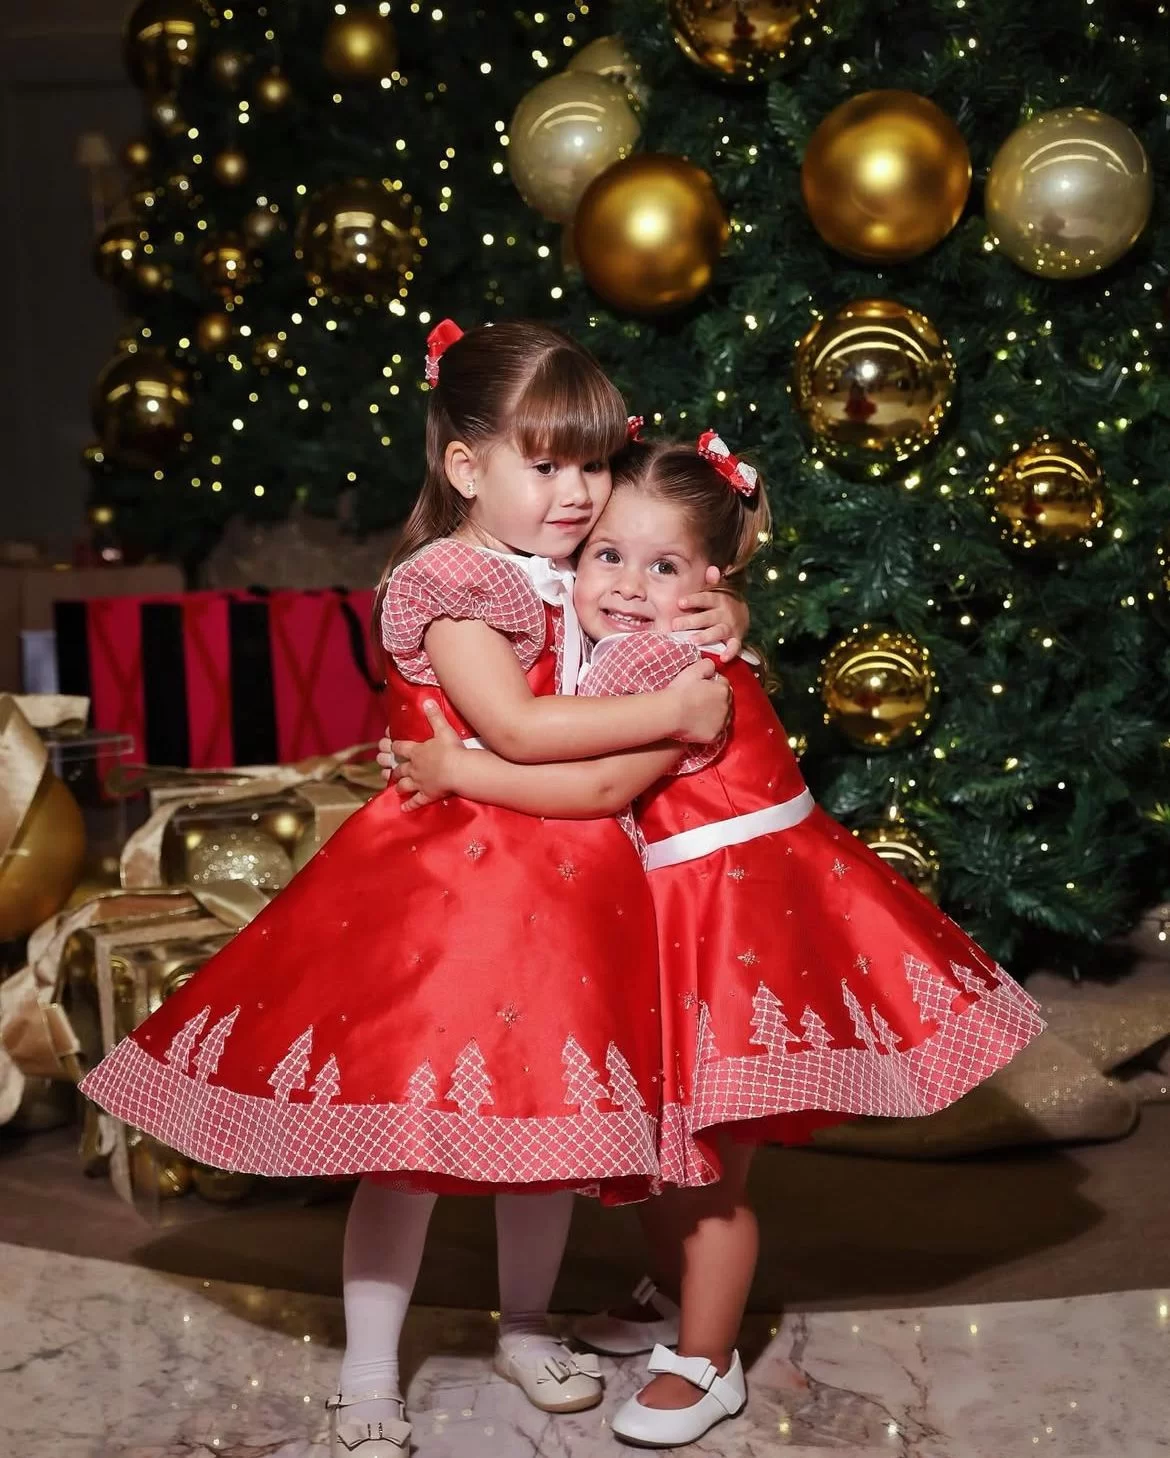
{"x":384,"y":1239}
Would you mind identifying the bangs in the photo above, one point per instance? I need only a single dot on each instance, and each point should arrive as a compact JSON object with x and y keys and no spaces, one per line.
{"x":568,"y":410}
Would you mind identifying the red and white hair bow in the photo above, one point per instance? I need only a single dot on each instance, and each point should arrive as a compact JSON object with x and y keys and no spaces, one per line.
{"x":738,"y":474}
{"x":634,"y":424}
{"x":439,"y":341}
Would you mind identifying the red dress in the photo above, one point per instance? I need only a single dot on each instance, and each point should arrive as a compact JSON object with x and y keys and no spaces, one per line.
{"x":459,"y":997}
{"x":803,"y":981}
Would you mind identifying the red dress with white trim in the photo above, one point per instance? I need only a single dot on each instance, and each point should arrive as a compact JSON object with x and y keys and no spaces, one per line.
{"x":803,"y":981}
{"x":459,"y":997}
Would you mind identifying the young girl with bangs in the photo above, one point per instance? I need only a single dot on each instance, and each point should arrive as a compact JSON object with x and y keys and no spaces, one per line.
{"x":462,"y":999}
{"x":802,"y":981}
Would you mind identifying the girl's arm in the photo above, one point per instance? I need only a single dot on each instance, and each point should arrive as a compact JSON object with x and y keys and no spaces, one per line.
{"x":479,"y":673}
{"x":715,"y":615}
{"x":579,"y":790}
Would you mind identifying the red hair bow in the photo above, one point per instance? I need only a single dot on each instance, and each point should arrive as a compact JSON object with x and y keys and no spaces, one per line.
{"x":439,"y":341}
{"x":634,"y":424}
{"x":738,"y":474}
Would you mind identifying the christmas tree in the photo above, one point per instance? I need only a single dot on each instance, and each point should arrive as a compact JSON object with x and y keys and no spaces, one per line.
{"x":963,"y":598}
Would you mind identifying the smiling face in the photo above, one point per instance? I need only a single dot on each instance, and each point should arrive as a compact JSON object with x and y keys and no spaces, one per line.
{"x":533,"y":504}
{"x":639,"y":560}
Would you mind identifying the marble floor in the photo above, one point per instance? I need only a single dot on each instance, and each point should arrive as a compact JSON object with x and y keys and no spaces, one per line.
{"x":99,"y":1360}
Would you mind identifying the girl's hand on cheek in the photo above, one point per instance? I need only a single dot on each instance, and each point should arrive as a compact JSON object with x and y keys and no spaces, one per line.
{"x":716,"y":615}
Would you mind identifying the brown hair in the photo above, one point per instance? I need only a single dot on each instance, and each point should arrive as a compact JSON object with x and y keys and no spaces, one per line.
{"x":730,"y":528}
{"x":520,"y":382}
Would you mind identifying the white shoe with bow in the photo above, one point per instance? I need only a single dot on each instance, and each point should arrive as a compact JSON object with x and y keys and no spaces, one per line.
{"x":674,"y":1427}
{"x":618,"y":1336}
{"x":382,"y":1439}
{"x":552,"y":1377}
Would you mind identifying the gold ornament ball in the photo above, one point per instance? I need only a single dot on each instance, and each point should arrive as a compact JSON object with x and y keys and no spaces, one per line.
{"x":904,"y":851}
{"x":359,"y":46}
{"x":239,"y":853}
{"x":1068,"y":193}
{"x":359,"y":238}
{"x":162,"y":41}
{"x":607,"y":56}
{"x":744,"y":40}
{"x":214,"y":331}
{"x":885,"y":176}
{"x":649,"y":232}
{"x":224,"y":264}
{"x":273,"y":90}
{"x":262,"y":224}
{"x":876,"y":685}
{"x":269,"y":350}
{"x":137,"y":154}
{"x":140,"y":408}
{"x":221,"y":1186}
{"x":118,"y":251}
{"x":44,"y":861}
{"x":228,"y":68}
{"x":873,"y":384}
{"x":156,"y":1171}
{"x":230,"y":167}
{"x":284,"y":825}
{"x":565,"y":132}
{"x":153,"y":276}
{"x":1050,"y":494}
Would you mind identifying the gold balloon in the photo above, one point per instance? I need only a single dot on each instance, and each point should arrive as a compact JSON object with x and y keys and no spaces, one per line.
{"x":873,"y":384}
{"x":118,"y":251}
{"x":214,"y":331}
{"x":1068,"y":193}
{"x":162,"y":41}
{"x":273,"y":90}
{"x":44,"y":861}
{"x":261,"y":224}
{"x":153,"y":276}
{"x":885,"y":176}
{"x":140,"y":408}
{"x":239,"y":853}
{"x":904,"y":851}
{"x":158,"y":1171}
{"x":743,"y":40}
{"x":359,"y":238}
{"x":649,"y":232}
{"x":221,"y":1186}
{"x":225,"y":264}
{"x":137,"y":154}
{"x":607,"y":56}
{"x":165,"y":114}
{"x":359,"y":46}
{"x":230,"y":167}
{"x":876,"y":685}
{"x":1050,"y":494}
{"x":228,"y":68}
{"x":564,"y":133}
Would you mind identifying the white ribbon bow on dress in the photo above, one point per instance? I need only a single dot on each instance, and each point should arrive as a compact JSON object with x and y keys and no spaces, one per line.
{"x":554,"y":582}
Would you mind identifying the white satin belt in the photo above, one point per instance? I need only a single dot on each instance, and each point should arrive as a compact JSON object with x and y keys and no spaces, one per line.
{"x":689,"y":845}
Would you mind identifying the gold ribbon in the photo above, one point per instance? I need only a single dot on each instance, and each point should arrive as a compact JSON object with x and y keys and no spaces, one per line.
{"x":315,"y":780}
{"x":23,"y":761}
{"x":67,"y":713}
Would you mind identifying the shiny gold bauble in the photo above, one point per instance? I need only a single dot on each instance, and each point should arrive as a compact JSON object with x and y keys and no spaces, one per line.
{"x":137,"y":154}
{"x":904,"y":851}
{"x":229,"y":67}
{"x":885,"y":176}
{"x":140,"y":408}
{"x":239,"y":853}
{"x":221,"y":1186}
{"x":876,"y":685}
{"x":153,"y":276}
{"x":165,"y":114}
{"x":565,"y":132}
{"x":214,"y":331}
{"x":118,"y":251}
{"x":648,"y":233}
{"x":873,"y":384}
{"x":224,"y":263}
{"x":269,"y":350}
{"x":1050,"y":494}
{"x":158,"y":1172}
{"x":607,"y":56}
{"x":359,"y":238}
{"x":230,"y":167}
{"x":743,"y":40}
{"x":285,"y":825}
{"x":162,"y":42}
{"x":1068,"y":193}
{"x":359,"y":46}
{"x":44,"y":862}
{"x":273,"y":90}
{"x":261,"y":225}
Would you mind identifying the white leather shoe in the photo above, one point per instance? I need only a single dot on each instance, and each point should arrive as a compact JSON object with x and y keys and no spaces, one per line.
{"x":552,"y":1377}
{"x":368,"y":1440}
{"x":617,"y":1337}
{"x":658,"y":1427}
